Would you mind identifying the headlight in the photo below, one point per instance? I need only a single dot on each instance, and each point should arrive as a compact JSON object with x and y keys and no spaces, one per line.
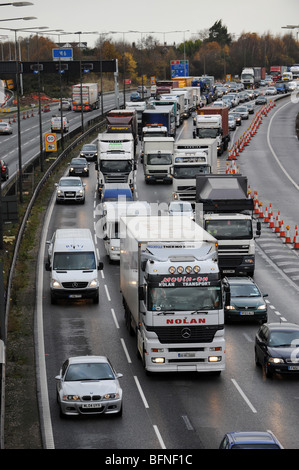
{"x":230,"y":307}
{"x":81,"y":191}
{"x":59,"y":192}
{"x":261,"y":307}
{"x":71,"y":397}
{"x":275,"y":360}
{"x":94,"y":283}
{"x":71,"y":169}
{"x":108,"y":396}
{"x":55,"y":283}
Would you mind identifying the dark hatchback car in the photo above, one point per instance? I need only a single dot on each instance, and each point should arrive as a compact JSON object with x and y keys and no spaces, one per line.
{"x":277,"y":347}
{"x":89,"y":151}
{"x":79,"y":166}
{"x":237,"y":117}
{"x":243,"y":300}
{"x":4,"y":170}
{"x":249,"y":440}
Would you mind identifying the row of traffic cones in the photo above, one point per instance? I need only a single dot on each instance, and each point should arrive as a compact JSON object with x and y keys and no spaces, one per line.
{"x":275,"y":223}
{"x":244,"y":140}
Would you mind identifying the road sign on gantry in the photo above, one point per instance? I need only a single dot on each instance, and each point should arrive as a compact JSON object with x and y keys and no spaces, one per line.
{"x":63,"y":54}
{"x":179,"y":68}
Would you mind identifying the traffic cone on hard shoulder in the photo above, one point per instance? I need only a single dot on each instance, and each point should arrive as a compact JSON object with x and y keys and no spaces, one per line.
{"x":296,"y":242}
{"x":270,"y":210}
{"x":276,"y":226}
{"x":288,"y":238}
{"x":296,"y":233}
{"x":282,"y":230}
{"x":261,"y":214}
{"x":14,"y":118}
{"x":271,"y":221}
{"x":256,"y":207}
{"x":266,"y":217}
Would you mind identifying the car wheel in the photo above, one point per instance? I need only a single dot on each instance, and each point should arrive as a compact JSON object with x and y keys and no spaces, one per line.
{"x":53,"y":300}
{"x":257,"y":363}
{"x":120,"y":413}
{"x":96,"y":299}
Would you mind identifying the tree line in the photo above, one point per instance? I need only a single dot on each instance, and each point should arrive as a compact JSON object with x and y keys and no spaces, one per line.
{"x":211,"y":51}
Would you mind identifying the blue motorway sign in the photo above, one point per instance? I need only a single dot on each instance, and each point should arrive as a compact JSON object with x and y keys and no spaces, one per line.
{"x":179,"y":68}
{"x":65,"y":54}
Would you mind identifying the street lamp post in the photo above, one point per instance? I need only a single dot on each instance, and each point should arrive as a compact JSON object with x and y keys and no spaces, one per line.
{"x":20,"y":175}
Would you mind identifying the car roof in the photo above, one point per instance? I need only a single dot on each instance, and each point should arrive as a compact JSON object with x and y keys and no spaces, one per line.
{"x":83,"y":359}
{"x":240,"y":280}
{"x":282,"y":326}
{"x":252,"y":436}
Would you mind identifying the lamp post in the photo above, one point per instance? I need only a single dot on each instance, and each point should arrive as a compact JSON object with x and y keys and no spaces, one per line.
{"x":81,"y":97}
{"x":18,"y":103}
{"x":124,"y":61}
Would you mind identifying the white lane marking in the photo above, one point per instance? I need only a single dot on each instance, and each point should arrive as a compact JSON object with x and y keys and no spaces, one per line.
{"x":187,"y":422}
{"x":272,"y":150}
{"x":141,"y":392}
{"x":125,"y":350}
{"x":114,"y":318}
{"x":159,"y":436}
{"x":243,"y":395}
{"x":107,"y":293}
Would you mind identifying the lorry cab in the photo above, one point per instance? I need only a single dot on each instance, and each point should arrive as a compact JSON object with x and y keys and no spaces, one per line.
{"x":73,"y":264}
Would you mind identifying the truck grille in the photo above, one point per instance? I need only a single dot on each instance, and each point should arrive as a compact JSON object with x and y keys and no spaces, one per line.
{"x":231,"y":249}
{"x":185,"y":334}
{"x":164,"y":172}
{"x":229,"y":261}
{"x":117,"y":178}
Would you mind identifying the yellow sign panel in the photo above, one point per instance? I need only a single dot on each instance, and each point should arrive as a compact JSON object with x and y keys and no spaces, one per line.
{"x":153,"y":80}
{"x":50,"y":142}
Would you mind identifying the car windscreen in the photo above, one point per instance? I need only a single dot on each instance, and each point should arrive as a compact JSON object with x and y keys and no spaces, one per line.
{"x":80,"y":260}
{"x":89,"y":371}
{"x":70,"y":182}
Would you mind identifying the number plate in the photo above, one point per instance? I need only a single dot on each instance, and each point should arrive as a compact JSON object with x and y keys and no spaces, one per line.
{"x":293,"y":367}
{"x":91,"y":405}
{"x":75,"y":296}
{"x":186,"y":354}
{"x":247,"y":313}
{"x":228,"y":271}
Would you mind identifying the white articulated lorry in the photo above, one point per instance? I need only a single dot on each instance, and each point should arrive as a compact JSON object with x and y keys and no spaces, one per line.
{"x":116,"y":159}
{"x":157,"y":159}
{"x":110,"y":222}
{"x":172,"y":293}
{"x":89,"y":92}
{"x":192,"y":157}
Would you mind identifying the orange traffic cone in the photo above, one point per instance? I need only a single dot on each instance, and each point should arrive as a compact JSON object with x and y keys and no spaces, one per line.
{"x":296,"y":242}
{"x":282,"y":231}
{"x":266,"y":218}
{"x":288,"y":238}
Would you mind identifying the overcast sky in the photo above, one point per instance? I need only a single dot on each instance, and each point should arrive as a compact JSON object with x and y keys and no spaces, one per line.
{"x":238,"y":16}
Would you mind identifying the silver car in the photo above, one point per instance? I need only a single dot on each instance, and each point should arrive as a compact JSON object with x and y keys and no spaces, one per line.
{"x":243,"y":110}
{"x":5,"y":128}
{"x":70,"y":189}
{"x":88,"y":385}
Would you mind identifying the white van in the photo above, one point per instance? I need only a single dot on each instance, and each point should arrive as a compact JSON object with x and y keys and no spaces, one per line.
{"x":73,"y":263}
{"x":56,"y":124}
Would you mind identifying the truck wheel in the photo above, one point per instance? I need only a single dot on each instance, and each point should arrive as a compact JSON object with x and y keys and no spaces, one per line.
{"x":128,"y":322}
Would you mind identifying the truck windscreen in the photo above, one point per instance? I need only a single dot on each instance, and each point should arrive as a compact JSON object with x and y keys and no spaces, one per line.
{"x":189,"y":171}
{"x":184,"y":298}
{"x":207,"y":133}
{"x":74,"y":261}
{"x":159,"y":159}
{"x":115,"y":166}
{"x":226,"y":229}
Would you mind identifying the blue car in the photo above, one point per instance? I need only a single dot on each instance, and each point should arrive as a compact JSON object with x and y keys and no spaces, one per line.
{"x":135,"y":96}
{"x":250,"y":440}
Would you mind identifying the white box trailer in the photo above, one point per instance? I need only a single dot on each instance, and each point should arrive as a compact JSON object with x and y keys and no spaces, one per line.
{"x":89,"y":94}
{"x":172,"y":293}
